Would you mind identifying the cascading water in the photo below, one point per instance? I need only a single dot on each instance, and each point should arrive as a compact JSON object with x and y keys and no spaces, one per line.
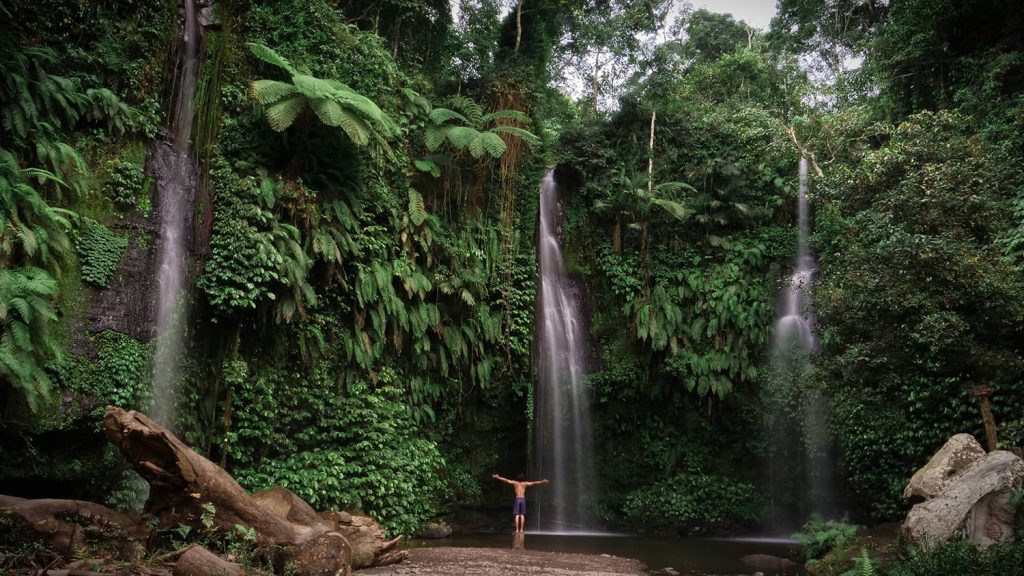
{"x":800,"y":465}
{"x":563,"y":435}
{"x":176,"y":180}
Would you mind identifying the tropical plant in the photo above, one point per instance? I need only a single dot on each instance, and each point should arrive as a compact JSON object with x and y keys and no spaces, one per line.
{"x":333,"y":102}
{"x":467,"y":129}
{"x":818,"y":536}
{"x":33,"y":244}
{"x":633,"y":198}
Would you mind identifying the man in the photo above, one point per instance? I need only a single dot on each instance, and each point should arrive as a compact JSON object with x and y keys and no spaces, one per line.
{"x":519,"y":510}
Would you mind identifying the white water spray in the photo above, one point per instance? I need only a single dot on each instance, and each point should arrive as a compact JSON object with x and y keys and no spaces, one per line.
{"x":176,"y":177}
{"x":563,"y":433}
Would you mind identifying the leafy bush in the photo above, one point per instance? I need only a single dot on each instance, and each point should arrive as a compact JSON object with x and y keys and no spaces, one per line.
{"x":691,"y":501}
{"x":373,"y":461}
{"x":128,"y":186}
{"x":819,"y":536}
{"x":100,"y":252}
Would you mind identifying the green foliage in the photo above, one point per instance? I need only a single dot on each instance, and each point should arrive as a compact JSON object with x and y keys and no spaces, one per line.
{"x":119,"y":374}
{"x":100,"y":252}
{"x":916,"y":303}
{"x":333,"y":102}
{"x":375,"y":463}
{"x":864,"y":565}
{"x":27,"y":343}
{"x":255,"y":258}
{"x":695,"y":501}
{"x":467,"y":129}
{"x":128,"y":186}
{"x":958,"y":558}
{"x":818,"y":536}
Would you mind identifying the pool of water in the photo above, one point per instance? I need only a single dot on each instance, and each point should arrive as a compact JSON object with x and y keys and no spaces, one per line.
{"x":713,"y":555}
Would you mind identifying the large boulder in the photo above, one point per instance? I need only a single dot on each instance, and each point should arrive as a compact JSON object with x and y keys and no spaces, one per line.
{"x":972,"y":501}
{"x":954,"y":457}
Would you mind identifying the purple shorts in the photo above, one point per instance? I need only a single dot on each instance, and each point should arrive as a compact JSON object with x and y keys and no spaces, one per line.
{"x":520,"y":508}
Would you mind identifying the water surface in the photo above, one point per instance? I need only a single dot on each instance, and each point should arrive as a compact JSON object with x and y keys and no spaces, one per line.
{"x":712,"y":555}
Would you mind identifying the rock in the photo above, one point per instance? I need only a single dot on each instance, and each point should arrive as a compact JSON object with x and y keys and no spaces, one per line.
{"x":198,"y":561}
{"x":974,"y":504}
{"x":950,"y":461}
{"x":758,"y":574}
{"x":774,"y":564}
{"x":435,"y":530}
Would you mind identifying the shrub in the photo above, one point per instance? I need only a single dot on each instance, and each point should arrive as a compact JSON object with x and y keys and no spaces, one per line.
{"x":961,"y":558}
{"x":694,"y":501}
{"x":819,"y":536}
{"x":100,"y":252}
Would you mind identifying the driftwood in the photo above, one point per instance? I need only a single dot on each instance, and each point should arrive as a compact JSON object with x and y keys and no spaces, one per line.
{"x":198,"y":561}
{"x":289,"y":533}
{"x":182,"y":481}
{"x":69,"y":525}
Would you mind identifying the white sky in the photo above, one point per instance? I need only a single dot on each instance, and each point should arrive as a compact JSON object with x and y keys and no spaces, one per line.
{"x":757,"y":13}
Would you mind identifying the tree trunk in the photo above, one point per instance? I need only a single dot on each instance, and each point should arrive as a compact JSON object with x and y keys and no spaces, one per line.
{"x":70,"y":526}
{"x":198,"y":561}
{"x":519,"y":24}
{"x":181,"y":480}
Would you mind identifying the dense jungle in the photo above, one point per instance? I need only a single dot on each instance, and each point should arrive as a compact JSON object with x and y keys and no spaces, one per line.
{"x":305,"y":237}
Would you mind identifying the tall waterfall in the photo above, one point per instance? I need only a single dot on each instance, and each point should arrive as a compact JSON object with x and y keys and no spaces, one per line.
{"x":176,"y":181}
{"x":563,"y":446}
{"x":800,"y":466}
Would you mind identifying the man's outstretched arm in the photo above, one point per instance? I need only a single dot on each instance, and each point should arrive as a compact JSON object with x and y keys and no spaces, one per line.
{"x":535,"y":482}
{"x":502,"y":479}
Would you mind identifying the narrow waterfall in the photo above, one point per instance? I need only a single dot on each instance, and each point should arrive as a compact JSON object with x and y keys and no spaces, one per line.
{"x":563,"y":446}
{"x":800,"y":467}
{"x":175,"y":173}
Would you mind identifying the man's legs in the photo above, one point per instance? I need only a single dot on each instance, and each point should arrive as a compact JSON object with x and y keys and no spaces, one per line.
{"x":520,"y":522}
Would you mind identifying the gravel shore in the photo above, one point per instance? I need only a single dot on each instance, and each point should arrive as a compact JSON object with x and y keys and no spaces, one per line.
{"x":487,"y":561}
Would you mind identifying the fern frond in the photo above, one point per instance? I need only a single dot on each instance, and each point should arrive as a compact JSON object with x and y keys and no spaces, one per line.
{"x":282,"y":114}
{"x":417,"y":209}
{"x":441,"y":115}
{"x":269,"y":91}
{"x":270,"y":56}
{"x":525,"y":135}
{"x":492,"y":144}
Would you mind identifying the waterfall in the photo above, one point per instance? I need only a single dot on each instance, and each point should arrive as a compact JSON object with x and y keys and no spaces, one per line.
{"x":176,"y":181}
{"x":800,"y":468}
{"x":563,"y":446}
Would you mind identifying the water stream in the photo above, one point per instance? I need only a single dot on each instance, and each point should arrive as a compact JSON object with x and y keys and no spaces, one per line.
{"x":563,"y":436}
{"x":175,"y":172}
{"x":800,"y":463}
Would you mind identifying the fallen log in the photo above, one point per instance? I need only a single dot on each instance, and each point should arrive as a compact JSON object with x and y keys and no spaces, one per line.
{"x":198,"y":561}
{"x":69,"y":526}
{"x":181,"y":480}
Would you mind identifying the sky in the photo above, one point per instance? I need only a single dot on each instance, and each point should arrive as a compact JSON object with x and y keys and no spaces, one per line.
{"x":757,"y":13}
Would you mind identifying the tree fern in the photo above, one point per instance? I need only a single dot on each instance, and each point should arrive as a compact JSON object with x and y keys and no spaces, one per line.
{"x":332,"y":102}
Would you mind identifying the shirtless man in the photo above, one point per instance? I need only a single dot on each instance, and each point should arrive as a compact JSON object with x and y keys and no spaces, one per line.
{"x":519,"y":510}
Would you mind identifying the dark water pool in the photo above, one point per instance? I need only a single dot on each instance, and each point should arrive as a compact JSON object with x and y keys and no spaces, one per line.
{"x":715,"y":555}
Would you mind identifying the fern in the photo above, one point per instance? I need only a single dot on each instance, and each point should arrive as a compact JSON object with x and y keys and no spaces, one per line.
{"x":864,"y":565}
{"x":417,"y":210}
{"x":332,"y":102}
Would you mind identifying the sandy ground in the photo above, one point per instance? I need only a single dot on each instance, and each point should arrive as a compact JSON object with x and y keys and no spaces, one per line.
{"x":488,"y":561}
